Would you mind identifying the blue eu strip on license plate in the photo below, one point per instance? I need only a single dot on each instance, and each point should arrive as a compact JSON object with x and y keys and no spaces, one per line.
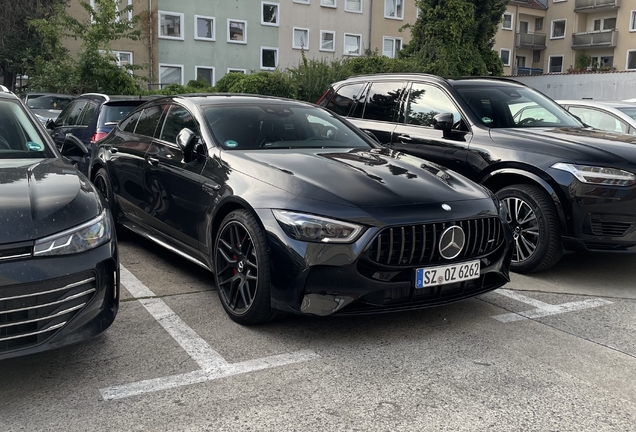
{"x":441,"y":275}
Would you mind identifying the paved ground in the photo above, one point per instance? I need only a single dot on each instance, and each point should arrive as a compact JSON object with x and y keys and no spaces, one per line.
{"x":555,"y":351}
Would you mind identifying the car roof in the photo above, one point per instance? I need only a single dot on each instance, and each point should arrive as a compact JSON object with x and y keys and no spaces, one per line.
{"x":236,"y":99}
{"x":455,"y":81}
{"x":110,"y":98}
{"x":49,"y":94}
{"x":590,"y":102}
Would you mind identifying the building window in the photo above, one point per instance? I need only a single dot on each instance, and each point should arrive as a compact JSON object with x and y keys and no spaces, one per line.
{"x":204,"y":28}
{"x":555,"y":64}
{"x":538,"y":24}
{"x":558,"y":29}
{"x":236,"y":31}
{"x":170,"y":74}
{"x":204,"y":73}
{"x":124,"y":58}
{"x":171,"y":25}
{"x":602,"y":61}
{"x":507,"y":21}
{"x":390,"y":46}
{"x":269,"y":58}
{"x":558,"y":1}
{"x":235,"y":70}
{"x":632,"y":21}
{"x":327,"y":40}
{"x":352,"y":44}
{"x":301,"y":38}
{"x":328,"y":3}
{"x":394,"y":9}
{"x":301,"y":1}
{"x":353,"y":6}
{"x":504,"y":54}
{"x":269,"y":14}
{"x":631,"y":60}
{"x":536,"y":56}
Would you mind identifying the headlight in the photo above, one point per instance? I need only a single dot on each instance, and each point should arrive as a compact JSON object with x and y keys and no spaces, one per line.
{"x":598,"y":175}
{"x":312,"y":228}
{"x":87,"y":236}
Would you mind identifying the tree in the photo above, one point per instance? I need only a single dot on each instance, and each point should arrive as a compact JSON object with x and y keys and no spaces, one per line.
{"x":456,"y":37}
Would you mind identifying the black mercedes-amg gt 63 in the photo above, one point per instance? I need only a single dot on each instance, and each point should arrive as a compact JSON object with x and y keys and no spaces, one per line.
{"x":295,"y":210}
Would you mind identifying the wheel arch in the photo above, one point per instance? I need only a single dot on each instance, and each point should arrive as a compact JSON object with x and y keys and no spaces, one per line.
{"x":224,"y":208}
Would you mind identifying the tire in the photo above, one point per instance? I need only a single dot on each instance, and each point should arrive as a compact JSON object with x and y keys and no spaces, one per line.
{"x":240,"y":250}
{"x":104,"y":187}
{"x":535,"y":225}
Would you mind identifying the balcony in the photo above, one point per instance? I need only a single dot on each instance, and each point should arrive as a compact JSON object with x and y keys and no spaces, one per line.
{"x":518,"y":70}
{"x":534,"y":41}
{"x":595,"y":39}
{"x":589,"y":6}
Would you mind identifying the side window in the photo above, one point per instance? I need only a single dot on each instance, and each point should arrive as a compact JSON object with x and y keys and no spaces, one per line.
{"x":381,"y":101}
{"x":88,"y":113}
{"x":148,"y":121}
{"x":62,"y":119}
{"x":344,"y":99}
{"x":425,"y":102}
{"x":75,"y":114}
{"x":177,"y":119}
{"x":129,"y":124}
{"x":598,"y":119}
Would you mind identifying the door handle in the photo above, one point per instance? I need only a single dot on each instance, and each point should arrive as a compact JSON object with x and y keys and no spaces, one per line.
{"x":405,"y":137}
{"x":153,"y":160}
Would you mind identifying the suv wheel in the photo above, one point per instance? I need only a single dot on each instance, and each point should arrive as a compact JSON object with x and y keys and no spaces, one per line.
{"x":535,"y":227}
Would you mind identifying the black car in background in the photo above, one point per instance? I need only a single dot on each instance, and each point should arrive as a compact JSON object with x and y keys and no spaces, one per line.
{"x":295,"y":210}
{"x":90,"y":117}
{"x":59,"y":269}
{"x":565,"y":185}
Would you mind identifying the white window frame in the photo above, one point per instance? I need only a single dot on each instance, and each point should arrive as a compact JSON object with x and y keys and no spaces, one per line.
{"x":117,"y":52}
{"x":394,"y":39}
{"x":270,"y":3}
{"x":196,"y":28}
{"x":182,"y":21}
{"x":230,"y":70}
{"x":354,"y":11}
{"x":395,"y":17}
{"x":196,"y":73}
{"x":130,"y":12}
{"x":512,"y":21}
{"x":344,"y":44}
{"x":304,"y":2}
{"x":509,"y":55}
{"x":174,"y":66}
{"x":565,"y":28}
{"x":322,"y":32}
{"x":275,"y":60}
{"x":632,"y":21}
{"x":244,"y":41}
{"x":294,"y":46}
{"x":558,"y":1}
{"x":627,"y":58}
{"x":550,"y":61}
{"x":333,"y":6}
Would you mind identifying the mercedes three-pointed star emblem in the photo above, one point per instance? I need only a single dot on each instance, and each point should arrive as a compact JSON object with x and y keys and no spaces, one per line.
{"x":452,"y":242}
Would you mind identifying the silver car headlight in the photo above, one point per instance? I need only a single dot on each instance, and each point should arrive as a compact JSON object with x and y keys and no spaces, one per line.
{"x":598,"y":175}
{"x":311,"y":228}
{"x":81,"y":238}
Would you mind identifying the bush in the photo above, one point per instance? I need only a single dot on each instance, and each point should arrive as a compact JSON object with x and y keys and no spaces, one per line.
{"x":225,"y":84}
{"x":265,"y":83}
{"x":312,"y":77}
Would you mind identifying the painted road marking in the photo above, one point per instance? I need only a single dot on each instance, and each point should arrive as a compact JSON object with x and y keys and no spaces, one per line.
{"x":212,"y":364}
{"x":543,"y":309}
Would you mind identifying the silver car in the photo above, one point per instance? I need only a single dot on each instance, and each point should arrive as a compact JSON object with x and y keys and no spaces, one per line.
{"x":609,"y":116}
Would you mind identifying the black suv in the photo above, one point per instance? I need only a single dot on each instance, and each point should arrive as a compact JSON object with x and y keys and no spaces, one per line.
{"x":90,"y":117}
{"x":565,"y":185}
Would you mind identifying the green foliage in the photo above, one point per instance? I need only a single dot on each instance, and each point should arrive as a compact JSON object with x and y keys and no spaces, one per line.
{"x":274,"y":83}
{"x":225,"y":84}
{"x":583,"y":61}
{"x":312,"y":77}
{"x":175,"y":89}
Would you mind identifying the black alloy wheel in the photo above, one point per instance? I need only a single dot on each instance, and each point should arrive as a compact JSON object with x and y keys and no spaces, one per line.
{"x":242,"y":269}
{"x":535,"y":228}
{"x":104,"y":187}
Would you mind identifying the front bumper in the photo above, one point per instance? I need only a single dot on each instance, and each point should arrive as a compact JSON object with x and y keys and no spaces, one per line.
{"x":51,"y":302}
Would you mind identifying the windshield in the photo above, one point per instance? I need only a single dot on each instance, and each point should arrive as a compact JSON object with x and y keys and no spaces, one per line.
{"x":275,"y":125}
{"x":18,"y":136}
{"x":51,"y":102}
{"x":514,"y":107}
{"x":629,"y":111}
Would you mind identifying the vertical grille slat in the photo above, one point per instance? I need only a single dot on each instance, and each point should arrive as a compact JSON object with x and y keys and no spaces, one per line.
{"x":413,"y":242}
{"x":423,"y":243}
{"x":390,"y":246}
{"x":433,"y":245}
{"x":401,"y":247}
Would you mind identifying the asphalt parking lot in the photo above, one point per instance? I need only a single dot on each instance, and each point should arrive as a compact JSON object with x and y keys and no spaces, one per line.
{"x":555,"y":351}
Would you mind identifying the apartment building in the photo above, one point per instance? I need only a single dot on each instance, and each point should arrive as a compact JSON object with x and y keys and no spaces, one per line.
{"x":547,"y":36}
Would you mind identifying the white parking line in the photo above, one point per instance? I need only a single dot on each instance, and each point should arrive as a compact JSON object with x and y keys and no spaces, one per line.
{"x":543,"y":309}
{"x":213,"y":365}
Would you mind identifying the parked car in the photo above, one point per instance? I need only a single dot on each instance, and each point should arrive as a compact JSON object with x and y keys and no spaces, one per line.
{"x":47,"y":106}
{"x":605,"y":115}
{"x":294,"y":210}
{"x":90,"y":117}
{"x":59,"y":269}
{"x":565,"y":185}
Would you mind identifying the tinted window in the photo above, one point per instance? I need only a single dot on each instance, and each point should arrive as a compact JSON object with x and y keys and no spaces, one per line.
{"x":425,"y":102}
{"x":177,"y":119}
{"x":63,"y":117}
{"x":149,"y":120}
{"x":75,"y":114}
{"x":629,"y":111}
{"x":129,"y":124}
{"x":18,"y":136}
{"x":48,"y":102}
{"x":344,"y":99}
{"x":113,"y":113}
{"x":599,"y":119}
{"x":381,"y":101}
{"x":87,"y":114}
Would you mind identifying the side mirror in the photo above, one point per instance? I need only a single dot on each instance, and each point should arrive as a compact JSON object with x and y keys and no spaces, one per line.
{"x":189,"y":143}
{"x":443,"y":121}
{"x":50,"y":124}
{"x":73,"y":148}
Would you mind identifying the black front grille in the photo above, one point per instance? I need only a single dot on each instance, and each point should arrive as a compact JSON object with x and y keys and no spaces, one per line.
{"x":32,"y":313}
{"x":610,"y":228}
{"x":16,"y":251}
{"x":418,"y":244}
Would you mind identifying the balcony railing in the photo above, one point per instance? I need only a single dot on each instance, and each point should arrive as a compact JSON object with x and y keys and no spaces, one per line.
{"x":595,"y":39}
{"x":534,"y":41}
{"x":518,"y":70}
{"x":594,"y":5}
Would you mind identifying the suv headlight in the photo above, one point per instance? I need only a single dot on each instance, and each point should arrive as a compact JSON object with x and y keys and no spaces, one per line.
{"x":312,"y":228}
{"x":81,"y":238}
{"x":598,"y":175}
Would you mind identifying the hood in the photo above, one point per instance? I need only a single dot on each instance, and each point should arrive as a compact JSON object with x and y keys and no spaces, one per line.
{"x":581,"y":145}
{"x":39,"y":197}
{"x":358,"y":178}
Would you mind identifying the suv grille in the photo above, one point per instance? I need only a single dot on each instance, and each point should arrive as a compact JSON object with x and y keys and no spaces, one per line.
{"x":31,"y":313}
{"x":418,"y":244}
{"x":610,"y":228}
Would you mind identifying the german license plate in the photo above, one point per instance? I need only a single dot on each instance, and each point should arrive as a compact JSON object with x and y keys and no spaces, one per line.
{"x":432,"y":276}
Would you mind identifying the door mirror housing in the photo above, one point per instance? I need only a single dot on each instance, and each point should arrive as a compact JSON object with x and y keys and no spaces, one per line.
{"x":50,"y":124}
{"x":190,"y":143}
{"x":443,"y":121}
